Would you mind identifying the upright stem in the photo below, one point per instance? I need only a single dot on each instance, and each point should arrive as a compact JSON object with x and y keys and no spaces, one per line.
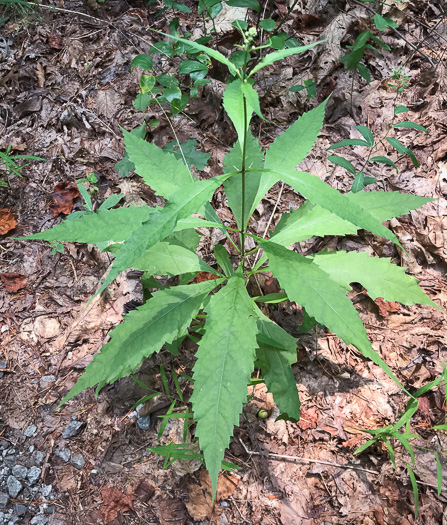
{"x":244,"y":150}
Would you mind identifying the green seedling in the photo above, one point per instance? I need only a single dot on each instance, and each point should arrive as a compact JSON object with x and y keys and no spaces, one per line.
{"x":232,"y":332}
{"x":8,"y":164}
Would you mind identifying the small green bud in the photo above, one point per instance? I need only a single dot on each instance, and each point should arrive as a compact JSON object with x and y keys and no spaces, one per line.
{"x":251,"y":33}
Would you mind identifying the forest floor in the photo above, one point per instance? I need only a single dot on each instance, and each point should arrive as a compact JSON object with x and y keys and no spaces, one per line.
{"x":65,"y":90}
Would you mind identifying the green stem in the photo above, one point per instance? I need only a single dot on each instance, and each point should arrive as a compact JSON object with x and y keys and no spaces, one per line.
{"x":244,"y":151}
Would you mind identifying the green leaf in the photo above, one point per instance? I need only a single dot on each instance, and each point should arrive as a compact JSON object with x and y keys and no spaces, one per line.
{"x":438,"y":472}
{"x":414,"y":485}
{"x":308,"y":322}
{"x":378,"y":275}
{"x":169,"y":259}
{"x":276,"y":360}
{"x":397,"y":144}
{"x":249,"y":4}
{"x":383,"y":22}
{"x":361,"y":40}
{"x":108,"y":225}
{"x":341,"y":161}
{"x":367,"y":135}
{"x":223,"y":260}
{"x":384,"y":160}
{"x":189,"y":66}
{"x":187,"y":151}
{"x":167,"y":81}
{"x":297,"y":88}
{"x":271,"y":298}
{"x":147,"y":83}
{"x":225,"y":361}
{"x":324,"y":299}
{"x":181,"y":204}
{"x":409,"y":124}
{"x":160,"y":170}
{"x":400,"y":109}
{"x":256,"y":183}
{"x":349,"y":142}
{"x":279,"y":55}
{"x":143,"y":61}
{"x":145,"y":330}
{"x":294,"y":144}
{"x":322,"y":194}
{"x":364,"y":72}
{"x":359,"y":182}
{"x":268,"y":24}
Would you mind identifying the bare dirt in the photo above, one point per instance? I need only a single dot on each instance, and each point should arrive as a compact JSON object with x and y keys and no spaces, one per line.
{"x":65,"y":88}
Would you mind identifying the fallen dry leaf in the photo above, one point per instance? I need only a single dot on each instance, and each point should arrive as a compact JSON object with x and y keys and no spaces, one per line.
{"x":63,"y":195}
{"x":172,"y":511}
{"x":7,"y":221}
{"x":205,"y":276}
{"x":114,"y":501}
{"x":13,"y":281}
{"x":55,"y":41}
{"x":386,"y":308}
{"x":199,"y":505}
{"x":40,"y":74}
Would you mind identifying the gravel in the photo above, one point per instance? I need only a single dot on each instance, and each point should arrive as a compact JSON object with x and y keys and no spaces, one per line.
{"x":46,"y":381}
{"x":20,"y":510}
{"x":72,"y":429}
{"x":77,"y":461}
{"x":34,"y":474}
{"x":40,"y":519}
{"x":4,"y":499}
{"x":19,"y":471}
{"x":14,"y":486}
{"x":45,"y":490}
{"x":144,"y":422}
{"x":30,"y":431}
{"x":65,"y":454}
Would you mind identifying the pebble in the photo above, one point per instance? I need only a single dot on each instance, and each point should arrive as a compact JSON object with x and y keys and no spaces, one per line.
{"x":34,"y":474}
{"x":45,"y":490}
{"x":30,"y":431}
{"x":3,"y":364}
{"x":49,"y":509}
{"x":20,"y":510}
{"x":72,"y":429}
{"x":19,"y":471}
{"x":4,"y":499}
{"x":65,"y":454}
{"x":77,"y":461}
{"x":40,"y":519}
{"x":45,"y":381}
{"x":144,"y":422}
{"x":14,"y":486}
{"x":31,"y":449}
{"x":39,"y":457}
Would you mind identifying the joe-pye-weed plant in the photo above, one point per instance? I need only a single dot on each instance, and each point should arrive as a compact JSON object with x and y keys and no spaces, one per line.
{"x":234,"y":335}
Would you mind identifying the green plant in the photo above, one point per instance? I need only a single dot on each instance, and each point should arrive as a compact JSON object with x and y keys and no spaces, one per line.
{"x":10,"y":165}
{"x":233,"y":334}
{"x":18,"y":8}
{"x":391,"y":432}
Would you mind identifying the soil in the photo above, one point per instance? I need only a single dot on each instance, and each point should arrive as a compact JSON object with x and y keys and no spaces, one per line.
{"x":65,"y":90}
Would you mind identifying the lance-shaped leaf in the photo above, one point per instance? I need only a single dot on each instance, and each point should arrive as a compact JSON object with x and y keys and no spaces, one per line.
{"x":257,"y":183}
{"x":276,"y":355}
{"x":160,"y":170}
{"x":314,"y":221}
{"x":108,"y":225}
{"x":378,"y":275}
{"x":318,"y":192}
{"x":225,"y":361}
{"x":294,"y":144}
{"x":164,"y":318}
{"x":181,"y":204}
{"x":279,"y":55}
{"x":323,"y":299}
{"x":169,"y":259}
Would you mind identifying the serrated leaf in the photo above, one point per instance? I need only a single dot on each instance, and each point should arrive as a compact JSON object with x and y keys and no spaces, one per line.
{"x":409,"y":124}
{"x":294,"y":144}
{"x":145,"y":330}
{"x":225,"y":361}
{"x":181,"y":204}
{"x":378,"y":275}
{"x":322,"y":194}
{"x":169,"y":259}
{"x":279,"y":55}
{"x":384,"y":160}
{"x":275,"y":361}
{"x":256,"y":183}
{"x":341,"y":161}
{"x":187,"y":151}
{"x":348,"y":142}
{"x":324,"y":300}
{"x":105,"y":225}
{"x":159,"y":170}
{"x":366,"y":134}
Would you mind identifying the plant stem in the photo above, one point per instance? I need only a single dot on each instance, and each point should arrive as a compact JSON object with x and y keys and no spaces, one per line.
{"x":244,"y":150}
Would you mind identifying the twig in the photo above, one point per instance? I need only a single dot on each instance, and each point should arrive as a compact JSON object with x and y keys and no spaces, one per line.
{"x":299,"y":458}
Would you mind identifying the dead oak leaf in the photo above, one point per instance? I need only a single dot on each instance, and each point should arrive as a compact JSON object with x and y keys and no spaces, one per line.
{"x":7,"y":221}
{"x":200,"y":505}
{"x":114,"y":501}
{"x":13,"y":281}
{"x":205,"y":276}
{"x":55,"y":41}
{"x":386,"y":308}
{"x":63,"y":195}
{"x":40,"y":74}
